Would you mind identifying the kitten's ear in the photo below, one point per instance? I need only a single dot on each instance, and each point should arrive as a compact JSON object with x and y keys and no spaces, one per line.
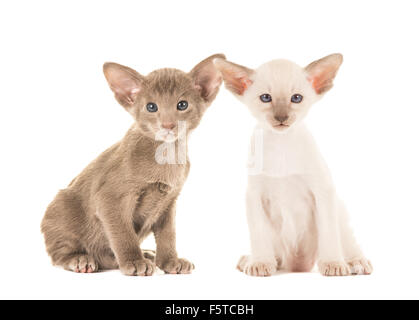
{"x":207,"y":78}
{"x":322,"y":72}
{"x":125,"y":83}
{"x":236,"y":77}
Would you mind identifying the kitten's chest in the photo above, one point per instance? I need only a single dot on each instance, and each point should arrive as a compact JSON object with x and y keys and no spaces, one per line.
{"x":172,"y":176}
{"x":290,"y":206}
{"x":163,"y":184}
{"x":281,"y":155}
{"x":152,"y":203}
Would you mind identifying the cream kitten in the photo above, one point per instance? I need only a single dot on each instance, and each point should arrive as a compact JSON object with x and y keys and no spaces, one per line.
{"x":295,"y":217}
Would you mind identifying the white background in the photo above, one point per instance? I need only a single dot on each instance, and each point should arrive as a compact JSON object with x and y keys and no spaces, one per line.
{"x":58,"y":114}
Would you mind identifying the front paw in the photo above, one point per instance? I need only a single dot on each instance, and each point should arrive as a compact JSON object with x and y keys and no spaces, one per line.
{"x":140,"y":267}
{"x":335,"y":268}
{"x":360,"y":266}
{"x":177,"y":266}
{"x":256,"y":268}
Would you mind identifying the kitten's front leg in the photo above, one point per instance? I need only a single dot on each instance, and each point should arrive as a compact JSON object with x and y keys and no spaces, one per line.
{"x":166,"y":254}
{"x":116,"y":216}
{"x":262,"y":261}
{"x":331,"y":258}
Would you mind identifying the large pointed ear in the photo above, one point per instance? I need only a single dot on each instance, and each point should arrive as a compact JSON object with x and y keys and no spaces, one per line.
{"x":322,"y":72}
{"x":236,"y":77}
{"x":125,"y":83}
{"x":207,"y":78}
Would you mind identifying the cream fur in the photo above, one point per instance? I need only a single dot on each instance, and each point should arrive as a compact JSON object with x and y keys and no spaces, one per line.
{"x":294,"y":214}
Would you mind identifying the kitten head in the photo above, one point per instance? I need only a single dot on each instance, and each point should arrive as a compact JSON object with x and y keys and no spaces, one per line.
{"x":280,"y":93}
{"x":165,"y":99}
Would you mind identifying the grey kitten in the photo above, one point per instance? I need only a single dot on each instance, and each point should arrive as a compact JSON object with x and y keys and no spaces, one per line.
{"x":99,"y":221}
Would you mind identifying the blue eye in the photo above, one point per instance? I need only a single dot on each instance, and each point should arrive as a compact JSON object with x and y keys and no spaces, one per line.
{"x":182,"y":105}
{"x":266,"y":98}
{"x":296,"y":98}
{"x":151,"y":107}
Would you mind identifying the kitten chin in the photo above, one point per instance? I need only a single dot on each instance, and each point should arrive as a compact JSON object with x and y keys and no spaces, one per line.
{"x":278,"y":127}
{"x":167,"y":139}
{"x":281,"y":127}
{"x":166,"y":136}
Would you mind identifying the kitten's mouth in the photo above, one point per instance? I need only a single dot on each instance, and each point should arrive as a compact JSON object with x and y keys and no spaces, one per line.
{"x":166,"y":136}
{"x":281,"y":126}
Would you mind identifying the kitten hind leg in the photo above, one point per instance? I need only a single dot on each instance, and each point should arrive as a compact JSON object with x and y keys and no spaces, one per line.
{"x":331,"y":260}
{"x":72,"y":257}
{"x":62,"y":227}
{"x":81,"y":263}
{"x":352,"y":252}
{"x":242,"y":263}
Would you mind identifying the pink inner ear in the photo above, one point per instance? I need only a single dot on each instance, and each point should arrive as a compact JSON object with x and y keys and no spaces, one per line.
{"x":236,"y":77}
{"x":123,"y":83}
{"x":208,"y":83}
{"x":242,"y":85}
{"x":127,"y":90}
{"x":238,"y":84}
{"x":316,"y":84}
{"x":322,"y":80}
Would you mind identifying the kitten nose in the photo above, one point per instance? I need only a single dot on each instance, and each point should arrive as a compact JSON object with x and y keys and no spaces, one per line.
{"x":282,"y":118}
{"x":168,"y":125}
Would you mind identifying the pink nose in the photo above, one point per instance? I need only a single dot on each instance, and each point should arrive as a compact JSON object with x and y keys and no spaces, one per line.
{"x":168,"y":125}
